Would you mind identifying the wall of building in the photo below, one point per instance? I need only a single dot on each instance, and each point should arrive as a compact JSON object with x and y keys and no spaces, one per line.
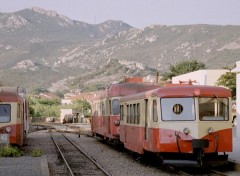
{"x":200,"y":77}
{"x":65,"y":112}
{"x":237,"y":71}
{"x":66,"y":101}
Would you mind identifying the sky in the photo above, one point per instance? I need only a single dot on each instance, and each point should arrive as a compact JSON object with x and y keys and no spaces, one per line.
{"x":138,"y":13}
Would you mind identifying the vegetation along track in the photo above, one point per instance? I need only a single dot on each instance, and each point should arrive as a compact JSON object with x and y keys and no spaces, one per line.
{"x":77,"y":162}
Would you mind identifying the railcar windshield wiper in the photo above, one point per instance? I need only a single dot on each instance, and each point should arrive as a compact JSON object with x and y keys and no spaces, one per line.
{"x":222,"y":102}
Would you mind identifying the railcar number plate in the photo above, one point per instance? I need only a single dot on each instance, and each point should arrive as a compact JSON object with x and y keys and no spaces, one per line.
{"x":4,"y":138}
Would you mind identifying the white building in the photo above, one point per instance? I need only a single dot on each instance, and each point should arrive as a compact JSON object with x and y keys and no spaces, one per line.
{"x":65,"y":112}
{"x":200,"y":77}
{"x":237,"y":71}
{"x":66,"y":101}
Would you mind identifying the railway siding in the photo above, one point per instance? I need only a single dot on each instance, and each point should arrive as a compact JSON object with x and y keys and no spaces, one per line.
{"x":77,"y":161}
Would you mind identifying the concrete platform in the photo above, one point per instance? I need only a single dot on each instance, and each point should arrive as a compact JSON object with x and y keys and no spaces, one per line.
{"x":24,"y":166}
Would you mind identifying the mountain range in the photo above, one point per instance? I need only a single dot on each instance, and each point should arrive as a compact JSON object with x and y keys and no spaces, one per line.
{"x":43,"y":49}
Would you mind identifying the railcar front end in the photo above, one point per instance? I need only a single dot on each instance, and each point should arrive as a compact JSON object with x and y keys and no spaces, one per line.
{"x":199,"y":129}
{"x":190,"y":124}
{"x":13,"y":116}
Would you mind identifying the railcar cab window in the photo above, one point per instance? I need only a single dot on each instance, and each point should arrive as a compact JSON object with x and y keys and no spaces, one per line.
{"x":213,"y":109}
{"x":5,"y":113}
{"x":178,"y":109}
{"x":115,"y":107}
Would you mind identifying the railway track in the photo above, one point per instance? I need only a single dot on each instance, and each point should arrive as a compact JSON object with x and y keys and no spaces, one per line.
{"x":231,"y":169}
{"x":77,"y":162}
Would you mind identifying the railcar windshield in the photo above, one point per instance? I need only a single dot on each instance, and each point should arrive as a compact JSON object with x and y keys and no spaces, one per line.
{"x":213,"y":109}
{"x":5,"y":113}
{"x":178,"y":109}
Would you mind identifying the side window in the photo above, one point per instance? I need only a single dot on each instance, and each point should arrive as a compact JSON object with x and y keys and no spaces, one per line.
{"x":128,"y":113}
{"x":138,"y":113}
{"x":110,"y":107}
{"x":95,"y":110}
{"x":115,"y":107}
{"x":131,"y":114}
{"x":121,"y":112}
{"x":103,"y":109}
{"x":18,"y":111}
{"x":5,"y":113}
{"x":98,"y":109}
{"x":135,"y":113}
{"x":154,"y":111}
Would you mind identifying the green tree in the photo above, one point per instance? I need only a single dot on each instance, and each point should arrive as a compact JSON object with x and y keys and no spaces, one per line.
{"x":49,"y":102}
{"x":59,"y":93}
{"x":182,"y":68}
{"x":228,"y":80}
{"x":82,"y":106}
{"x":39,"y":90}
{"x":44,"y":107}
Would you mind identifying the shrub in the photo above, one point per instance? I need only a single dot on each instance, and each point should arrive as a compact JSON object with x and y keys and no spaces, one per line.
{"x":36,"y":153}
{"x":10,"y":151}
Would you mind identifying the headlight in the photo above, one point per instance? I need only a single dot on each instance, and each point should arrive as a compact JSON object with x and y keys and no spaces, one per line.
{"x":8,"y":129}
{"x":210,"y":130}
{"x":186,"y":131}
{"x":117,"y":123}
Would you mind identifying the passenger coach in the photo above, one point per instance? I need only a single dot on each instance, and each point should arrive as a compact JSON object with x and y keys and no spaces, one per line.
{"x":14,"y":118}
{"x":106,"y":108}
{"x":190,"y":123}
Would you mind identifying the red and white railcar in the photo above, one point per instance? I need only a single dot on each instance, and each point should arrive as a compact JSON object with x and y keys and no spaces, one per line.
{"x":14,"y":115}
{"x":191,"y":123}
{"x":106,"y":108}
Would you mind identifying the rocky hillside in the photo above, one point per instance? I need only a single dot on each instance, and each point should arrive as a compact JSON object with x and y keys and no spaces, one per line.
{"x":40,"y":48}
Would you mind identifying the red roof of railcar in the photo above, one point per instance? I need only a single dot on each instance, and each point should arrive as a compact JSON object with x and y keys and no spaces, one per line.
{"x":9,"y":94}
{"x":182,"y":91}
{"x":123,"y":89}
{"x":188,"y":91}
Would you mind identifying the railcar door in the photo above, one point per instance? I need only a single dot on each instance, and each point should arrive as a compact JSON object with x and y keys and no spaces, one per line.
{"x":146,"y":118}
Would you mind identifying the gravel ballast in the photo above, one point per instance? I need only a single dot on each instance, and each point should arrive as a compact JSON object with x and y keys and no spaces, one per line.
{"x":116,"y":162}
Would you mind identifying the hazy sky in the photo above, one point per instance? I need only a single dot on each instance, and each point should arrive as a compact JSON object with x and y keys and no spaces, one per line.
{"x":138,"y":13}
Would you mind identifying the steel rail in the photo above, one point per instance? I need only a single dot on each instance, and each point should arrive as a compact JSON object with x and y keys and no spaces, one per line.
{"x":217,"y":172}
{"x":70,"y":170}
{"x":100,"y":167}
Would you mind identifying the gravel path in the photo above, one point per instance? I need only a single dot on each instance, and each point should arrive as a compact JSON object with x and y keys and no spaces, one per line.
{"x":42,"y":140}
